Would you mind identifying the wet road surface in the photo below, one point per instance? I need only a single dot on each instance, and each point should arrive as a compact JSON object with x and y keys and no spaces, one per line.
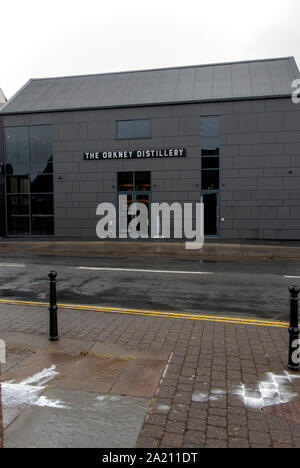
{"x":245,"y":288}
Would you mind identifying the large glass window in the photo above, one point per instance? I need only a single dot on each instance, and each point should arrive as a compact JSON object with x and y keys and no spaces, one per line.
{"x":42,"y":219}
{"x":17,"y":184}
{"x":41,"y":159}
{"x":18,"y":214}
{"x":17,"y":151}
{"x":29,"y":170}
{"x":139,"y":128}
{"x":41,"y":183}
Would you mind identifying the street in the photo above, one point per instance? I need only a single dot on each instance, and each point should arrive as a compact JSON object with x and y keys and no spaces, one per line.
{"x":193,"y":351}
{"x":244,"y":288}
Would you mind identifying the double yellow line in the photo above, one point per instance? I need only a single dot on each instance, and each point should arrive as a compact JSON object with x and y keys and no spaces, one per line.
{"x":153,"y":313}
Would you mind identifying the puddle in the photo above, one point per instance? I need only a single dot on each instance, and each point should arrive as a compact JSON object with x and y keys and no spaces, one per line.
{"x":17,"y":293}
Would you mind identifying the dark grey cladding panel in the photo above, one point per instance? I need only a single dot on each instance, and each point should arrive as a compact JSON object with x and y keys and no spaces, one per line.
{"x":260,"y":78}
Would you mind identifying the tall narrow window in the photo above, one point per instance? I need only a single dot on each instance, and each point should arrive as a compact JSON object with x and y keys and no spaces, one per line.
{"x":210,"y":150}
{"x":210,"y":135}
{"x":210,"y":172}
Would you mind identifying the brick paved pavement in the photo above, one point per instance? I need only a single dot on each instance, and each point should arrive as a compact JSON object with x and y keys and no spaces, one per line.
{"x":218,"y":376}
{"x":1,"y":417}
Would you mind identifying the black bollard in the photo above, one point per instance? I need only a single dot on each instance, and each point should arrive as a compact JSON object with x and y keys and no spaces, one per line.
{"x":53,"y":336}
{"x":294,"y":329}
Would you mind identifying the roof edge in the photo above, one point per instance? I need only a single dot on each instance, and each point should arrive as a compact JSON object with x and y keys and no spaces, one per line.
{"x":294,"y":66}
{"x":150,"y":104}
{"x":15,"y":95}
{"x":274,"y":59}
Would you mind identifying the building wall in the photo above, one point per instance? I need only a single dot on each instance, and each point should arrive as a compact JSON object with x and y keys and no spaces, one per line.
{"x":260,"y":163}
{"x":261,"y":170}
{"x":2,"y":186}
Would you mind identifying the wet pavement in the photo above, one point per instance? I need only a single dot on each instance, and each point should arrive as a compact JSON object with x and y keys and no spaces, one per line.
{"x":91,"y":399}
{"x":1,"y":415}
{"x":213,"y":247}
{"x":78,"y":419}
{"x":117,"y":380}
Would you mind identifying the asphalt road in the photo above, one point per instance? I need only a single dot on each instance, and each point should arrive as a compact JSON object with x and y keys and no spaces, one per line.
{"x":239,"y":288}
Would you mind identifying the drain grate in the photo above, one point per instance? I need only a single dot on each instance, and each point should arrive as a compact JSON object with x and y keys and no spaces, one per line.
{"x":288,"y":411}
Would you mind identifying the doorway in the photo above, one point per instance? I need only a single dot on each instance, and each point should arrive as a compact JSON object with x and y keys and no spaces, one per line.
{"x":211,"y":213}
{"x":137,"y":188}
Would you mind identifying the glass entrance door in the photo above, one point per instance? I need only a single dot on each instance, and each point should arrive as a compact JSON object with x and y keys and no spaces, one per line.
{"x":123,"y":213}
{"x":136,"y":186}
{"x":211,"y":213}
{"x":125,"y":228}
{"x":145,"y":199}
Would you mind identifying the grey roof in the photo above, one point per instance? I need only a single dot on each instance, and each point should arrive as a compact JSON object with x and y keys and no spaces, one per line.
{"x":214,"y":82}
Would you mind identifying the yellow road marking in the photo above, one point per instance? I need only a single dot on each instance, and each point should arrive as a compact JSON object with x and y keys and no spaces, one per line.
{"x":211,"y":318}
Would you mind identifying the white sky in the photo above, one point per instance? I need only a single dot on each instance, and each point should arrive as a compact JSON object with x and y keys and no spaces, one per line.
{"x":74,"y":37}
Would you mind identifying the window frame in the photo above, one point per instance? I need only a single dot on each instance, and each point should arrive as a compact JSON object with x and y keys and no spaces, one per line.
{"x":134,"y":137}
{"x":134,"y":185}
{"x":203,"y":147}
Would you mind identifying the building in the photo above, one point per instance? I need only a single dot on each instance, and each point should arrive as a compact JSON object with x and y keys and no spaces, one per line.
{"x":227,"y":132}
{"x":2,"y":98}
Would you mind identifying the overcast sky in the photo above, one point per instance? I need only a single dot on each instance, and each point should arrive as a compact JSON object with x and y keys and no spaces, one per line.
{"x":70,"y":37}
